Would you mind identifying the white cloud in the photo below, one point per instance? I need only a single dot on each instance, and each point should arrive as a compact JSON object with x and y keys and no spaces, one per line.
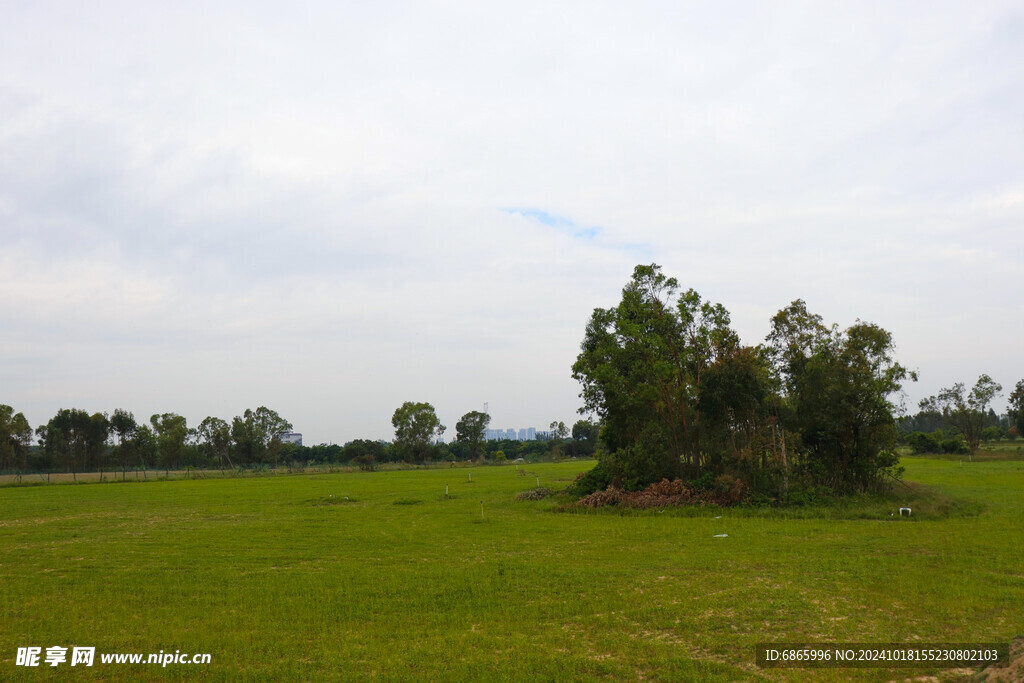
{"x":206,"y":207}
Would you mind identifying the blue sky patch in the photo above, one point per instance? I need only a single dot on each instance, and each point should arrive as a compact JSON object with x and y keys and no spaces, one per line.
{"x":558,"y":222}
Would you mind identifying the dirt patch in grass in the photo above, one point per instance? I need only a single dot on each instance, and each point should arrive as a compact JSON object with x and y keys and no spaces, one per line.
{"x":1014,"y":671}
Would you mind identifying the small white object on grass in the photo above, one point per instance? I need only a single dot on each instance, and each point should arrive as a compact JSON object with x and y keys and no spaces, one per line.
{"x":718,"y":517}
{"x":446,"y":489}
{"x":721,"y":535}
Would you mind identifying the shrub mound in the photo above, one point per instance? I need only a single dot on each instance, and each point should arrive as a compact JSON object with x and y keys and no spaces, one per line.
{"x":534,"y":494}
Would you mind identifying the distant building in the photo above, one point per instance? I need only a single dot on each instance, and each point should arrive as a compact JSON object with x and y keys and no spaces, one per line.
{"x":290,"y":437}
{"x":524,"y":434}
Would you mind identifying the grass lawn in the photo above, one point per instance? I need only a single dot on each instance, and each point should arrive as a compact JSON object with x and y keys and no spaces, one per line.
{"x":359,"y":575}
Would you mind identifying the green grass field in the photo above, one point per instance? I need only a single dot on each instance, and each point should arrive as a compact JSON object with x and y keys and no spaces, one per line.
{"x":359,"y":575}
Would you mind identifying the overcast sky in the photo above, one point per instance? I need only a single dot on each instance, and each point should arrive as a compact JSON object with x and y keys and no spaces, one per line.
{"x":330,"y":210}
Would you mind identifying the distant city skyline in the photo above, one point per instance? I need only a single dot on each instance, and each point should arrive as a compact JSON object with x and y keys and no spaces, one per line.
{"x":521,"y":434}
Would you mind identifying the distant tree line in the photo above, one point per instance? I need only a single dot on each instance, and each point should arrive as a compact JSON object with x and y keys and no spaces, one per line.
{"x":417,"y":432}
{"x":76,"y":440}
{"x":367,"y":454}
{"x":957,"y":420}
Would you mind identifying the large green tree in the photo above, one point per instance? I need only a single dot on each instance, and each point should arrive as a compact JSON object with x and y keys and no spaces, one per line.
{"x":1016,"y":407}
{"x":15,"y":439}
{"x":965,"y":411}
{"x":416,"y":425}
{"x":171,"y":432}
{"x":585,"y":434}
{"x":145,"y":446}
{"x":96,"y":439}
{"x":214,"y":436}
{"x":470,"y":430}
{"x":256,"y":435}
{"x":737,"y":401}
{"x":837,"y":388}
{"x":559,"y":431}
{"x":123,"y":428}
{"x":74,"y":439}
{"x":641,"y":365}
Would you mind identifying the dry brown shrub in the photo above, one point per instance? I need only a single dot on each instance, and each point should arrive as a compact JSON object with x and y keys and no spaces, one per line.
{"x":660,"y":494}
{"x":597,"y":499}
{"x":1011,"y":671}
{"x":728,"y":491}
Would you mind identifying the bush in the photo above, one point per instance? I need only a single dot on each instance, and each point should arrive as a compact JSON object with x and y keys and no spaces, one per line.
{"x":936,"y":442}
{"x":534,"y":494}
{"x":992,"y":433}
{"x":955,"y":446}
{"x":730,"y":490}
{"x":800,"y":496}
{"x":920,"y":442}
{"x":366,"y":462}
{"x":597,"y":479}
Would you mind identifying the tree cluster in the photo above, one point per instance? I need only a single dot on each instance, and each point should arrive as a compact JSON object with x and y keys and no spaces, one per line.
{"x":417,"y":429}
{"x":679,"y":397}
{"x":74,"y":440}
{"x":957,"y":420}
{"x":15,"y":439}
